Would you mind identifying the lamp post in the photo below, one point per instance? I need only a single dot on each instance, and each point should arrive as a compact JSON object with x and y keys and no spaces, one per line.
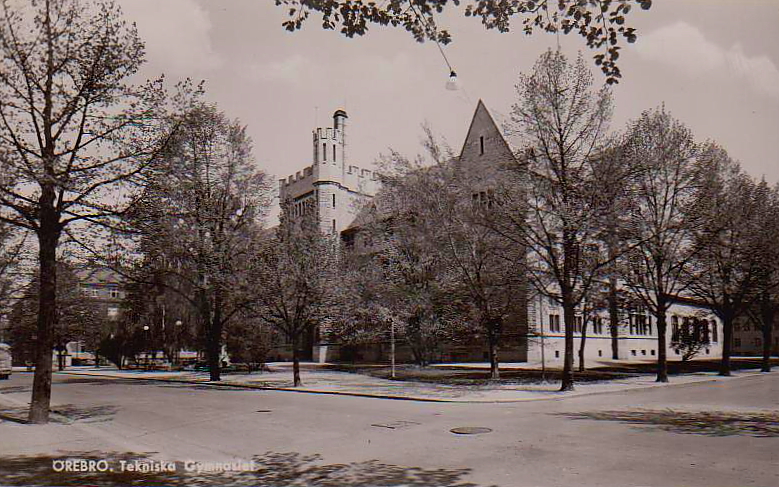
{"x":178,"y":342}
{"x":392,"y":346}
{"x":146,"y":344}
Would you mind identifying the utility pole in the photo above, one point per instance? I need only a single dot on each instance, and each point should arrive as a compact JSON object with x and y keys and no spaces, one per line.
{"x":543,"y":345}
{"x":392,"y":348}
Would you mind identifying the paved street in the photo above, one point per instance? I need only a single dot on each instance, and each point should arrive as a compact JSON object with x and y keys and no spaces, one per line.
{"x":683,"y":436}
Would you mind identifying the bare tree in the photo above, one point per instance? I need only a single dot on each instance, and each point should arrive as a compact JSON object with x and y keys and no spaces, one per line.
{"x":294,"y":270}
{"x":552,"y":203}
{"x":659,"y":235}
{"x":723,"y":270}
{"x":198,"y":220}
{"x":485,"y":284}
{"x":765,"y":299}
{"x":76,"y":134}
{"x":413,"y":278}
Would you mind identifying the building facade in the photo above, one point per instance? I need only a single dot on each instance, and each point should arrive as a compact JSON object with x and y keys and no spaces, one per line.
{"x":748,"y":337}
{"x":637,"y":336}
{"x":337,"y":190}
{"x":332,"y":187}
{"x":106,"y":290}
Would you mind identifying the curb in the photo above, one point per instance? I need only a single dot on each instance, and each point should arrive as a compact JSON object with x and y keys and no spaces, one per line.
{"x":557,"y":397}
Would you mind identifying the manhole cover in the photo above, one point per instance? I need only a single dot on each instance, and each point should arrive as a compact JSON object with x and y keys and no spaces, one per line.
{"x":470,"y":430}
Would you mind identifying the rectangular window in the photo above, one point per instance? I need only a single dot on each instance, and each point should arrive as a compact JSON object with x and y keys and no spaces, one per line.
{"x":481,"y":145}
{"x":333,"y":152}
{"x":324,"y":152}
{"x":333,"y":225}
{"x":333,"y":200}
{"x":714,"y":337}
{"x":633,"y":353}
{"x":114,"y":293}
{"x":554,"y":322}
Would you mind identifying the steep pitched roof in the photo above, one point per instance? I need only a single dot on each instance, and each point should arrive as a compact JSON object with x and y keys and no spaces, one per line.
{"x":484,"y":141}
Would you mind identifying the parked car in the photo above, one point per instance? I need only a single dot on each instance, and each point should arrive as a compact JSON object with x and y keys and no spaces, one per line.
{"x":5,"y":361}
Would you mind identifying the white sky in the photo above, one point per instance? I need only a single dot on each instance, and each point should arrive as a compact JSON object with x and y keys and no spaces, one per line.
{"x":714,"y":63}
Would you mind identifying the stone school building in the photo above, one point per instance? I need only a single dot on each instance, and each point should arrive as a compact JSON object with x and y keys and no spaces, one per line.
{"x":335,"y":189}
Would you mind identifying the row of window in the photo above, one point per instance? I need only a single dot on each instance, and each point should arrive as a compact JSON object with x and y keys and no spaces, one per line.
{"x":307,"y":205}
{"x":700,"y":328}
{"x":578,"y":324}
{"x":641,"y":324}
{"x":324,"y":152}
{"x":94,"y":291}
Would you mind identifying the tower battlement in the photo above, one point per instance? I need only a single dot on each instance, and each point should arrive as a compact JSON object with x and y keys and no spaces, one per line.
{"x":334,"y":188}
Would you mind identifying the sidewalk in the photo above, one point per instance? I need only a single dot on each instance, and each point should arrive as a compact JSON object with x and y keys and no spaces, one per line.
{"x":322,"y":381}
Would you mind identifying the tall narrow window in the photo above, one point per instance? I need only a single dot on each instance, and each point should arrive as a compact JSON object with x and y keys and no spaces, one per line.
{"x":714,"y":336}
{"x":481,"y":145}
{"x":324,"y":152}
{"x":333,"y":200}
{"x":333,"y":225}
{"x":333,"y":152}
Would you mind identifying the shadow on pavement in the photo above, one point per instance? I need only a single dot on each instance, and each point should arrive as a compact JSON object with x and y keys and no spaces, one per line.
{"x":709,"y":423}
{"x":65,"y":413}
{"x":14,"y":389}
{"x":269,"y":470}
{"x":93,"y":414}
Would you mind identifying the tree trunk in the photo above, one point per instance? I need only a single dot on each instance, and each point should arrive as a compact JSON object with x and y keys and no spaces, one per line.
{"x":727,"y":344}
{"x":568,"y":317}
{"x":582,"y":342}
{"x":213,"y":336}
{"x":214,"y":349}
{"x":662,"y":357}
{"x":493,"y":334}
{"x":295,"y":363}
{"x":614,"y":318}
{"x":767,"y":313}
{"x":611,"y":242}
{"x":48,"y":239}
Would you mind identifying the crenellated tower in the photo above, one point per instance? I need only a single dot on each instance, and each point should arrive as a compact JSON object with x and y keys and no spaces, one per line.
{"x":329,"y":186}
{"x":329,"y":147}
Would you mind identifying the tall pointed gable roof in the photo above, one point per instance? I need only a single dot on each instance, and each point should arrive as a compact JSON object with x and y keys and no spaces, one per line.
{"x":484,"y":143}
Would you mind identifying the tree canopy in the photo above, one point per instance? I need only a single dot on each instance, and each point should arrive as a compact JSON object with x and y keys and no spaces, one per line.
{"x":601,"y":23}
